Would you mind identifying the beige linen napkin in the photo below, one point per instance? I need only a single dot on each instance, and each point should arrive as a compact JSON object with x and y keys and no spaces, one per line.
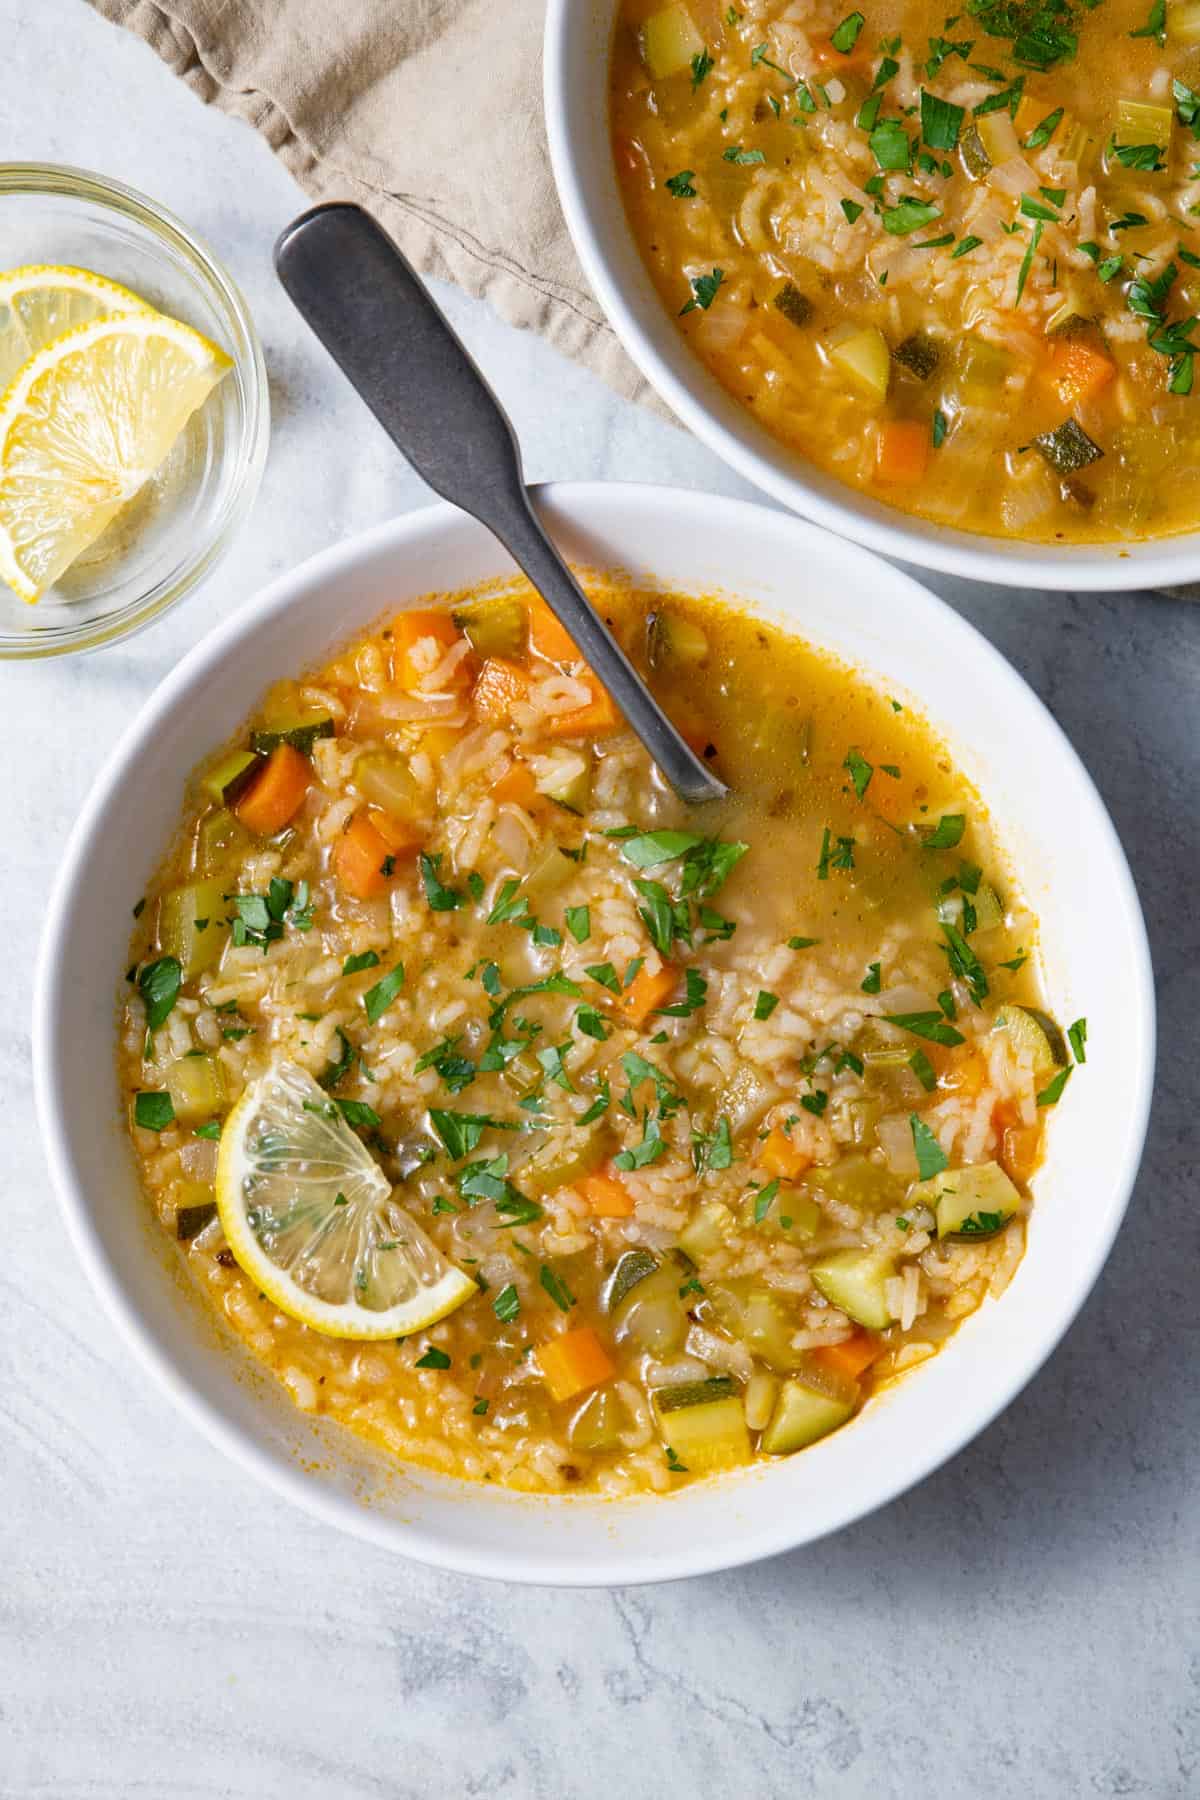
{"x":428,"y":113}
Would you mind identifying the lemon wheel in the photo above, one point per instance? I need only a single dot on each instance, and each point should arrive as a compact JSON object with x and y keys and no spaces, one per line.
{"x":84,"y":424}
{"x":313,"y":1220}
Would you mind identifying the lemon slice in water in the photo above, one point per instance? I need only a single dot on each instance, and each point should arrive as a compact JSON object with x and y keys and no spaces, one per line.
{"x":311,"y":1218}
{"x":42,"y":301}
{"x":84,"y":424}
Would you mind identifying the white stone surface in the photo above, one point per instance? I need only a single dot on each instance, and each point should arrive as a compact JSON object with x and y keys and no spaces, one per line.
{"x":1022,"y":1624}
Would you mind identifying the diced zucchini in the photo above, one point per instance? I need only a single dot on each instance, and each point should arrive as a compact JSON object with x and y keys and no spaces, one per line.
{"x":522,"y":1072}
{"x":796,"y":307}
{"x":856,"y":1181}
{"x":652,"y":1315}
{"x":385,"y":780}
{"x":802,"y":1415}
{"x":975,"y":159}
{"x":494,"y":627}
{"x":694,"y":1393}
{"x":672,"y":640}
{"x":669,"y":42}
{"x":998,"y":136}
{"x":572,"y":1154}
{"x":704,"y":1438}
{"x":599,"y":1422}
{"x":984,"y":367}
{"x":225,"y":781}
{"x":1076,"y":143}
{"x":706,"y":1231}
{"x":194,"y":1209}
{"x":632,"y":1267}
{"x":1138,"y":122}
{"x":856,"y":1281}
{"x":767,"y":1332}
{"x":193,"y":925}
{"x":300,"y":729}
{"x":989,"y":908}
{"x":919,"y":354}
{"x":221,"y":842}
{"x":1035,"y":1034}
{"x":973,"y":1202}
{"x":863,"y":357}
{"x":196,"y":1087}
{"x":568,"y":781}
{"x":1068,"y":317}
{"x":1068,"y":448}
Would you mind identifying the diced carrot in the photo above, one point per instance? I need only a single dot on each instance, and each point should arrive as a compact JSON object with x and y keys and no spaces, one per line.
{"x":500,"y":685}
{"x":516,"y":784}
{"x":902,"y":452}
{"x":645,"y":992}
{"x":851,"y":1356}
{"x":359,"y":858}
{"x":599,"y":718}
{"x":966,"y":1072}
{"x":1020,"y":1144}
{"x":573,"y":1362}
{"x":277,"y":792}
{"x":1077,"y":371}
{"x":547,"y":637}
{"x":400,"y":835}
{"x":412,"y":628}
{"x":607,"y":1197}
{"x":781,"y":1156}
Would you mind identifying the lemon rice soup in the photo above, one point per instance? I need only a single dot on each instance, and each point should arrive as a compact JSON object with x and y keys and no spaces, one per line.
{"x":952,"y":258}
{"x":544,"y":1131}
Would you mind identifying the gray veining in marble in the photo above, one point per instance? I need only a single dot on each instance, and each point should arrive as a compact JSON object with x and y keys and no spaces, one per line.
{"x":1023,"y":1624}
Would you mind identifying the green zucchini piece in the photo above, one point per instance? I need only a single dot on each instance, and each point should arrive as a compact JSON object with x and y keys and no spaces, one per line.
{"x":573,"y":1153}
{"x":975,"y":159}
{"x":972,"y":1202}
{"x":631,"y":1268}
{"x":989,"y":908}
{"x":221,"y":841}
{"x":1068,"y":448}
{"x":1035,"y":1033}
{"x":796,"y":307}
{"x":919,"y":354}
{"x":193,"y":1216}
{"x":494,"y":627}
{"x":571,"y":790}
{"x":230,"y":776}
{"x":694,"y":1393}
{"x":193,"y":924}
{"x":856,"y":1281}
{"x":301,"y":732}
{"x":767,"y":1333}
{"x":669,"y":41}
{"x":196,"y":1087}
{"x":599,"y":1422}
{"x":802,"y":1415}
{"x":672,"y":640}
{"x":706,"y":1436}
{"x":706,"y":1231}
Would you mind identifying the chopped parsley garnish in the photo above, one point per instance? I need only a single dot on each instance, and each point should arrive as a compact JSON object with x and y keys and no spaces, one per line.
{"x":153,"y":1110}
{"x":681,"y":185}
{"x":941,"y":122}
{"x":579,"y":923}
{"x":937,"y":430}
{"x":1027,"y":259}
{"x":211,"y":1131}
{"x":440,"y":898}
{"x":845,"y":36}
{"x":1053,"y":1091}
{"x":461,"y":1132}
{"x":557,"y":1288}
{"x":1077,"y":1037}
{"x":908,"y":215}
{"x":1156,"y":24}
{"x":860,"y":770}
{"x":591,"y":1023}
{"x":704,"y":291}
{"x":715,"y":1150}
{"x":377,"y":999}
{"x":946,"y":833}
{"x":702,"y":64}
{"x":765,"y":1004}
{"x":507,"y":1304}
{"x":340,"y":1065}
{"x":922,"y":1068}
{"x":605,"y":974}
{"x":365,"y":959}
{"x":802,"y":943}
{"x":648,"y":1151}
{"x":696,"y":990}
{"x":890,"y":145}
{"x":852,"y":210}
{"x":980,"y":1224}
{"x":872,"y":980}
{"x":1147,"y":157}
{"x":433,"y":1359}
{"x":931,"y":1158}
{"x":734,"y":153}
{"x":1044,"y":130}
{"x":929,"y":1025}
{"x":599,"y":1105}
{"x":457,"y":1072}
{"x":816,"y":1102}
{"x":159,"y":984}
{"x":480,"y":1407}
{"x":763,"y":1199}
{"x":357,"y":1112}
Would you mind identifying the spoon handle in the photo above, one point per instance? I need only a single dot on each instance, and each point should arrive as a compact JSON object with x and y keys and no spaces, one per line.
{"x":380,"y":324}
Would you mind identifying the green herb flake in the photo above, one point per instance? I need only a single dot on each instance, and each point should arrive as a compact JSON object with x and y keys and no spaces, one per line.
{"x":873,"y":980}
{"x":852,"y":210}
{"x":153,"y":1110}
{"x":579,"y":923}
{"x":365,"y":959}
{"x":377,"y":999}
{"x":922,"y":1068}
{"x":908,"y":215}
{"x":440,"y":898}
{"x":1077,"y":1037}
{"x":860,"y":770}
{"x":681,"y":185}
{"x":702,"y":64}
{"x":507,"y":1304}
{"x":704,"y":291}
{"x":941,"y":122}
{"x":846,"y":35}
{"x":929,"y":1025}
{"x":931,"y":1158}
{"x":763,"y":1199}
{"x":433,"y":1359}
{"x":765,"y":1004}
{"x":557,"y":1288}
{"x":1044,"y":130}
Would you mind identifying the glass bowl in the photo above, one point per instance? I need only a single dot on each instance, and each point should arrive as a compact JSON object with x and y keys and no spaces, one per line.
{"x":171,"y":535}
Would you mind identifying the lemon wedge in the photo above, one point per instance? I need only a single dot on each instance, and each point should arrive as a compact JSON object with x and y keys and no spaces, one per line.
{"x":311,"y":1218}
{"x":42,"y":301}
{"x":84,"y":424}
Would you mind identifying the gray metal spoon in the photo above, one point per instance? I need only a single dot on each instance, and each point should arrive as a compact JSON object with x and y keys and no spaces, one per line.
{"x":378,"y":321}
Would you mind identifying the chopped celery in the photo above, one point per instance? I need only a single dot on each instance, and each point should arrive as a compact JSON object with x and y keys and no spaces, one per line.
{"x":863,"y":356}
{"x":227,"y":778}
{"x":856,"y":1281}
{"x":384,"y":779}
{"x":989,"y":908}
{"x":193,"y":925}
{"x":631,"y":1268}
{"x":1034,"y":1034}
{"x":1075,"y":144}
{"x":704,"y":1434}
{"x":856,"y":1181}
{"x":1138,"y":122}
{"x":572,"y":1154}
{"x":196,"y":1087}
{"x":669,"y":42}
{"x":299,"y":729}
{"x":983,"y":368}
{"x":802,"y":1415}
{"x":221,"y":842}
{"x":599,"y":1422}
{"x":494,"y":627}
{"x":971,"y":1202}
{"x":671,"y":640}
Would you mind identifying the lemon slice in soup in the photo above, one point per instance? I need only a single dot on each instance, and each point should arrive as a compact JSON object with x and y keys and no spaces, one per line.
{"x":43,"y":300}
{"x":311,"y":1218}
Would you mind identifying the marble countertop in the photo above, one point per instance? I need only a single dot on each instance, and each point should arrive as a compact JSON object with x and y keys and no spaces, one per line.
{"x":1023,"y":1623}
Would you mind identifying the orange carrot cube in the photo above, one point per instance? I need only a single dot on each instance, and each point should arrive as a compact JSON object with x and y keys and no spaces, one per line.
{"x":276,"y":794}
{"x":573,"y":1362}
{"x":780,"y":1156}
{"x":607,"y":1197}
